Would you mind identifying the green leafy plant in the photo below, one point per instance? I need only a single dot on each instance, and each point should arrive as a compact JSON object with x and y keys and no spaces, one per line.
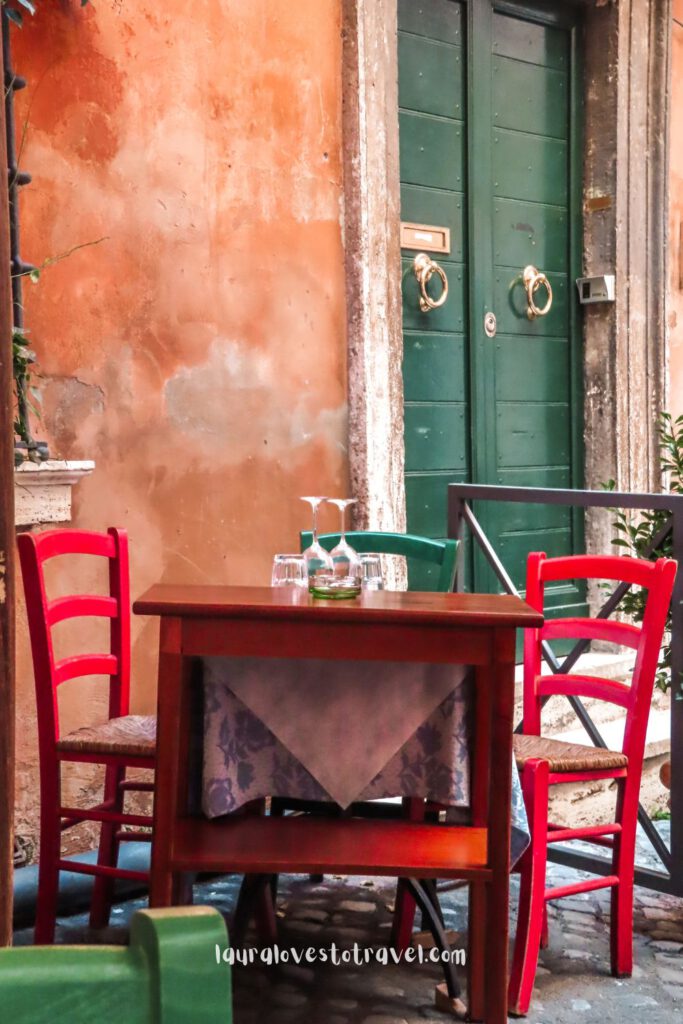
{"x":23,"y":358}
{"x":636,"y":537}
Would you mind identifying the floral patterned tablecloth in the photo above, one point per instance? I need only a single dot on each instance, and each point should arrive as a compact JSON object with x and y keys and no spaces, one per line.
{"x":340,"y":731}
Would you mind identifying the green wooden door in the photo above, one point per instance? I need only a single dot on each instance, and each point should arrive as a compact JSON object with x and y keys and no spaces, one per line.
{"x":490,"y":148}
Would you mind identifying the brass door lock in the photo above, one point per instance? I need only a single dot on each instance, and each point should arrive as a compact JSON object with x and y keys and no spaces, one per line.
{"x":490,"y":325}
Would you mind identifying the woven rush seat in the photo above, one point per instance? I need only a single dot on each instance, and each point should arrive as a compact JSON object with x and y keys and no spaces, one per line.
{"x":132,"y":735}
{"x":566,"y":757}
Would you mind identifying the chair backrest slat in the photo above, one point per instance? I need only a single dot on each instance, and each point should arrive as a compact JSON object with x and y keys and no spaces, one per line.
{"x":623,"y":633}
{"x":585,"y":686}
{"x":52,"y":543}
{"x":658,"y":578}
{"x":85,"y":665}
{"x":618,"y":568}
{"x":442,"y":553}
{"x":35,"y":549}
{"x":81,"y":606}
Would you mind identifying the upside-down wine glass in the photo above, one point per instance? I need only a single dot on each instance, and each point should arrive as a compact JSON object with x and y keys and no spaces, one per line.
{"x":319,"y":563}
{"x":347,"y":568}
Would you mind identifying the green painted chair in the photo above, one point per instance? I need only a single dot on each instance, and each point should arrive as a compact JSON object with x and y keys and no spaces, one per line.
{"x":436,"y":567}
{"x":436,"y":559}
{"x":167,"y":975}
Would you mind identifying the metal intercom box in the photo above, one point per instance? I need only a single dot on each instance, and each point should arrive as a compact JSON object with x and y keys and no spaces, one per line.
{"x":595,"y":289}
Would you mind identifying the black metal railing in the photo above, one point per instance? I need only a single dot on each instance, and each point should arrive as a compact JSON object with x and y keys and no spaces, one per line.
{"x":461,"y":515}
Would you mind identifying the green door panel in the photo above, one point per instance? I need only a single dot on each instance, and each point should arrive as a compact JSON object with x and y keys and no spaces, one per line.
{"x":529,"y":98}
{"x":432,"y":116}
{"x":431,"y":77}
{"x":434,"y":366}
{"x":512,"y":517}
{"x":530,"y":41}
{"x":431,"y":150}
{"x":529,"y":167}
{"x":537,"y":434}
{"x":443,"y":209}
{"x":526,"y":233}
{"x":435,"y":436}
{"x":451,"y":316}
{"x":514,"y":547}
{"x":515,"y":355}
{"x":426,"y":495}
{"x":534,"y":476}
{"x":437,"y":19}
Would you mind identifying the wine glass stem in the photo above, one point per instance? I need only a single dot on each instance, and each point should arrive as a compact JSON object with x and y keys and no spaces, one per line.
{"x":315,"y":507}
{"x":343,"y":524}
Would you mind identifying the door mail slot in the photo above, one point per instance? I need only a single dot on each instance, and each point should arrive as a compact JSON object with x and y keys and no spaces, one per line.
{"x":425,"y":237}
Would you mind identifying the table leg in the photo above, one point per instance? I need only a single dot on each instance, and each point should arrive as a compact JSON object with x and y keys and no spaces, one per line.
{"x":479,"y":800}
{"x":476,"y":951}
{"x":501,"y":680}
{"x":170,"y":776}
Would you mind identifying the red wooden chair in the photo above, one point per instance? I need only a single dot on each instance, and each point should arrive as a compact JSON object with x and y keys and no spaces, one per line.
{"x":124,"y":741}
{"x":546,"y":762}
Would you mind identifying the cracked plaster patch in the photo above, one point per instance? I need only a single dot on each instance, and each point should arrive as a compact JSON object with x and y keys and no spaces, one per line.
{"x":241,"y":399}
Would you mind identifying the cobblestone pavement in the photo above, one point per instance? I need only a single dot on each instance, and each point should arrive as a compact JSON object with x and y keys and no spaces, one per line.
{"x":573,"y":983}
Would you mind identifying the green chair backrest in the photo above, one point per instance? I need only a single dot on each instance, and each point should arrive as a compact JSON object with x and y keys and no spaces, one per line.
{"x":167,"y":975}
{"x":440,"y":553}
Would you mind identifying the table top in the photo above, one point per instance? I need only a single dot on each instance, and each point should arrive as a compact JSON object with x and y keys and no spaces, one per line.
{"x":292,"y":603}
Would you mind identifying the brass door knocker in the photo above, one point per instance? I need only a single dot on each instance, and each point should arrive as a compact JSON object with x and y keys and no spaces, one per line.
{"x":424,"y":268}
{"x":533,"y":279}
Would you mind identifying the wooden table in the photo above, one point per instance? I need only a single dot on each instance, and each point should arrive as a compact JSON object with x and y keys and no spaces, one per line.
{"x":476,"y":630}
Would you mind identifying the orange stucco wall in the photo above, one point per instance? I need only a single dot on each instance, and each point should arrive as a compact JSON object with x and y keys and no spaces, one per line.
{"x":197,"y":353}
{"x":676,"y":218}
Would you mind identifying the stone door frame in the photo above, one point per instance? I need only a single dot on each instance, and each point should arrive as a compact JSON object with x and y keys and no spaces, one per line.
{"x":627,"y":50}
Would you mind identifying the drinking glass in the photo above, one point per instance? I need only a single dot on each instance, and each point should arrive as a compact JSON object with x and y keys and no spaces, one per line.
{"x":318,"y":562}
{"x":371,"y":571}
{"x":345,"y":580}
{"x":289,"y":571}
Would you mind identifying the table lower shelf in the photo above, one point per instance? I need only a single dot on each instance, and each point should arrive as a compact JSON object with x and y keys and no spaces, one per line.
{"x":275,"y":845}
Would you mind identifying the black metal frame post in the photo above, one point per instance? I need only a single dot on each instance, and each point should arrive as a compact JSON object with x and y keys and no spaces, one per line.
{"x":16,"y":179}
{"x":460,"y":514}
{"x":7,"y":547}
